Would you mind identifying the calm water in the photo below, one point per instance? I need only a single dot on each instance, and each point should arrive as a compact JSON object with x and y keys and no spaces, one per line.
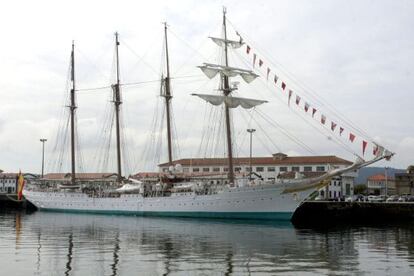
{"x":45,"y":243}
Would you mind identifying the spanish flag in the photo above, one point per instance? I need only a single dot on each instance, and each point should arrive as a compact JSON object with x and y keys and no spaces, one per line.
{"x":20,"y":186}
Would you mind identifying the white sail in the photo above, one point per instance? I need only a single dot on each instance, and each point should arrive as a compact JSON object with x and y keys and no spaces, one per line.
{"x":232,"y":43}
{"x":211,"y":70}
{"x":231,"y":102}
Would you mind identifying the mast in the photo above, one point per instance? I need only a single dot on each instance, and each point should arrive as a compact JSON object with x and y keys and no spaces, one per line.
{"x":225,"y":72}
{"x":72,"y":114}
{"x":167,"y":96}
{"x":117,"y":103}
{"x":227,"y":91}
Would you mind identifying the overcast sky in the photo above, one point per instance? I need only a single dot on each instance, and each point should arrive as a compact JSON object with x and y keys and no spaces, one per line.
{"x":355,"y":58}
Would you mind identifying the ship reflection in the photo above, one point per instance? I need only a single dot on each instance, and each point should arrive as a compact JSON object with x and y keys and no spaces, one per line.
{"x":116,"y":245}
{"x":69,"y":255}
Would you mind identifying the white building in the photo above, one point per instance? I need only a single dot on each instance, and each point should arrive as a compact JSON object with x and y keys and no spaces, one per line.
{"x":8,"y":183}
{"x":270,"y":168}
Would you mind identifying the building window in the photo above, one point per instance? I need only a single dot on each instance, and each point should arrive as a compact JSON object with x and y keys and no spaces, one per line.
{"x":165,"y":169}
{"x":307,"y":169}
{"x":247,"y":169}
{"x":237,"y":169}
{"x":186,"y":170}
{"x":206,"y":169}
{"x":271,"y":169}
{"x":216,"y":169}
{"x":226,"y":169}
{"x":259,"y":169}
{"x":320,"y":168}
{"x":196,"y":169}
{"x":295,"y":169}
{"x":283,"y":169}
{"x":334,"y":193}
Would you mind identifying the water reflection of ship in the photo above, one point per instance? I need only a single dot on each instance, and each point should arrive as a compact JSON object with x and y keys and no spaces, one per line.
{"x":69,"y":244}
{"x":204,"y":245}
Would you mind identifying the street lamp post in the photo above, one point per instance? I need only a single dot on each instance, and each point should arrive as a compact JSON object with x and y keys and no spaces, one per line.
{"x":43,"y":140}
{"x":386,"y":181}
{"x":250,"y":130}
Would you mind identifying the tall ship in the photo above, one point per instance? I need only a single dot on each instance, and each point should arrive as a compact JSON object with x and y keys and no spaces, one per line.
{"x":175,"y":193}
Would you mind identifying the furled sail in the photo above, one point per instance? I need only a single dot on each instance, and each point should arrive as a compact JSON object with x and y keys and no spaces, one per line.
{"x":211,"y":70}
{"x":232,"y":43}
{"x":295,"y":185}
{"x":231,"y":102}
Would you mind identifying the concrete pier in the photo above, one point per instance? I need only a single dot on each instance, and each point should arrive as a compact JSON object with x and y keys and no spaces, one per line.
{"x":327,"y":213}
{"x":10,"y":200}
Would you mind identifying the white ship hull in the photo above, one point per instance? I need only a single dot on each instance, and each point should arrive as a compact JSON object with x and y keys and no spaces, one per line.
{"x":257,"y":202}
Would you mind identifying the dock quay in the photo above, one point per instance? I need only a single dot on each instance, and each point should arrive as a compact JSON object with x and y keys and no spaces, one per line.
{"x":11,"y":201}
{"x":328,"y":213}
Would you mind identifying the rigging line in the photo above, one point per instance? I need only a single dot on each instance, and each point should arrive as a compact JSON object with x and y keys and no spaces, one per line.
{"x":211,"y":131}
{"x":216,"y":128}
{"x":187,"y":76}
{"x":148,"y":144}
{"x":263,"y":131}
{"x":195,"y":51}
{"x":106,"y":77}
{"x":139,"y":82}
{"x":284,"y":131}
{"x":106,"y":136}
{"x":159,"y":148}
{"x":220,"y":132}
{"x":78,"y":146}
{"x":192,"y":122}
{"x":100,"y":135}
{"x":93,"y":88}
{"x":243,"y":134}
{"x":210,"y":121}
{"x":124,"y":144}
{"x":337,"y":141}
{"x":203,"y":130}
{"x":153,"y":135}
{"x":243,"y":131}
{"x":316,"y":97}
{"x":307,"y":120}
{"x":107,"y":149}
{"x":277,"y":96}
{"x":133,"y":83}
{"x":52,"y":164}
{"x":140,"y":58}
{"x":64,"y":146}
{"x":214,"y":132}
{"x":175,"y":134}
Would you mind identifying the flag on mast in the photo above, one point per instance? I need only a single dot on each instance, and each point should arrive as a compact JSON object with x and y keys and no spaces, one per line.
{"x":20,"y":186}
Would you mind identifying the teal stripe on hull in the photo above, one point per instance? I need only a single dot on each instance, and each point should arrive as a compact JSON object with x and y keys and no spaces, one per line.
{"x":280,"y":216}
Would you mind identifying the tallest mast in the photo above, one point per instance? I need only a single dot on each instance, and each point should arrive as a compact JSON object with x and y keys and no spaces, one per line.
{"x":227,"y":91}
{"x":117,"y":103}
{"x":167,"y":96}
{"x":72,"y":108}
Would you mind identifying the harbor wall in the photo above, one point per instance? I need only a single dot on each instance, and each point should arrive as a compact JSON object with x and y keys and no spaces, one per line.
{"x":328,"y":213}
{"x":10,"y":201}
